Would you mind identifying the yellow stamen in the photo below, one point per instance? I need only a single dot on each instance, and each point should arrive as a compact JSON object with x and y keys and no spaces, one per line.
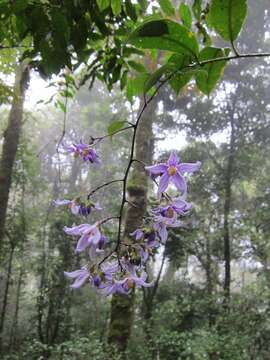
{"x":85,"y":152}
{"x":130,"y":283}
{"x":172,"y":170}
{"x":169,"y":212}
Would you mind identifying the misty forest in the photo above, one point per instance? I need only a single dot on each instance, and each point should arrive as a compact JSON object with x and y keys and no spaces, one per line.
{"x":134,"y":180}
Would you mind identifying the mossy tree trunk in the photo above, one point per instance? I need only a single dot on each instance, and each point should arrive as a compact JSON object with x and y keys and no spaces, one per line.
{"x":121,"y":317}
{"x":11,"y":141}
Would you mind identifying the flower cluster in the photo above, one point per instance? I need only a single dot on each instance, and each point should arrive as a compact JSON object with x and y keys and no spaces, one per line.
{"x":124,"y":267}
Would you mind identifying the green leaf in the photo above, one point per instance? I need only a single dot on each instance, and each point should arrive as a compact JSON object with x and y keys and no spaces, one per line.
{"x":137,"y":66}
{"x":185,"y":15}
{"x":115,"y":126}
{"x":116,"y":6}
{"x":127,"y":51}
{"x":153,"y":79}
{"x":207,"y":80}
{"x":165,"y":35}
{"x":167,"y":7}
{"x":227,"y":17}
{"x":197,"y":9}
{"x":103,"y":4}
{"x":123,"y":81}
{"x":59,"y":104}
{"x":130,"y":10}
{"x":183,"y":75}
{"x":136,"y":85}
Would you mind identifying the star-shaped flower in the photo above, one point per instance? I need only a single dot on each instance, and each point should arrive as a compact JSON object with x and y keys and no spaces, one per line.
{"x":172,"y":171}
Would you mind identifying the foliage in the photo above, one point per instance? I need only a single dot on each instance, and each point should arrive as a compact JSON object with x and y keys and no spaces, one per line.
{"x":121,"y":43}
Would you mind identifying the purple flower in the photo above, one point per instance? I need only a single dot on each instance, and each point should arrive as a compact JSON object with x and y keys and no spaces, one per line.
{"x":161,"y":223}
{"x":140,"y":281}
{"x":150,"y":242}
{"x":178,"y":206}
{"x":85,"y":151}
{"x":172,"y":171}
{"x":97,"y":280}
{"x":112,"y":287}
{"x":138,"y":234}
{"x":124,"y":286}
{"x":97,"y":247}
{"x":78,"y":208}
{"x":80,"y":276}
{"x":90,"y":236}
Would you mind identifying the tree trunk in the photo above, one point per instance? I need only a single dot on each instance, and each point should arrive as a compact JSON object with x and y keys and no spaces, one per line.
{"x":11,"y":141}
{"x":121,"y":317}
{"x":5,"y":299}
{"x":227,"y":210}
{"x":14,"y":327}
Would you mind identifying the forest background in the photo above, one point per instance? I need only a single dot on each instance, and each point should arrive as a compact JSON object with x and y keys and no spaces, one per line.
{"x":211,"y":294}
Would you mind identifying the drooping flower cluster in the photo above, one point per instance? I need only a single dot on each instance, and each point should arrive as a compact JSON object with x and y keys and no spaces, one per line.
{"x":124,"y":267}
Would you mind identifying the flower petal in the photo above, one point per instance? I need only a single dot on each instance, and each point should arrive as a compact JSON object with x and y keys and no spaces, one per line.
{"x":137,"y":233}
{"x":75,"y":209}
{"x":173,"y":159}
{"x":73,"y":274}
{"x":156,"y":169}
{"x":163,"y":233}
{"x":82,"y":243}
{"x":163,"y":183}
{"x":61,"y":202}
{"x":97,"y":206}
{"x":179,"y":182}
{"x":95,"y":236}
{"x":77,"y":230}
{"x":189,"y":167}
{"x":80,"y":281}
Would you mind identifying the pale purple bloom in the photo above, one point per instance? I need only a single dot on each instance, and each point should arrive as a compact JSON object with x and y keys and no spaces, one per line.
{"x":77,"y":207}
{"x":124,"y":286}
{"x":110,"y":269}
{"x":85,"y":151}
{"x":140,"y":281}
{"x":113,"y":287}
{"x":97,"y":247}
{"x":96,"y":280}
{"x":138,"y":234}
{"x":150,"y":242}
{"x":161,"y":223}
{"x":178,"y":206}
{"x":80,"y":276}
{"x":172,"y":171}
{"x":90,"y":235}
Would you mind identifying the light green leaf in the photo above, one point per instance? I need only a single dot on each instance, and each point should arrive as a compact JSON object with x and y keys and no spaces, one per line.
{"x":103,"y":4}
{"x":227,"y":17}
{"x":207,"y":80}
{"x":130,"y":10}
{"x":183,"y":74}
{"x":167,"y":7}
{"x":116,"y":6}
{"x":185,"y":15}
{"x":137,"y":66}
{"x":115,"y":126}
{"x":153,"y":78}
{"x":135,"y":85}
{"x":165,"y":35}
{"x":123,"y":80}
{"x":197,"y":9}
